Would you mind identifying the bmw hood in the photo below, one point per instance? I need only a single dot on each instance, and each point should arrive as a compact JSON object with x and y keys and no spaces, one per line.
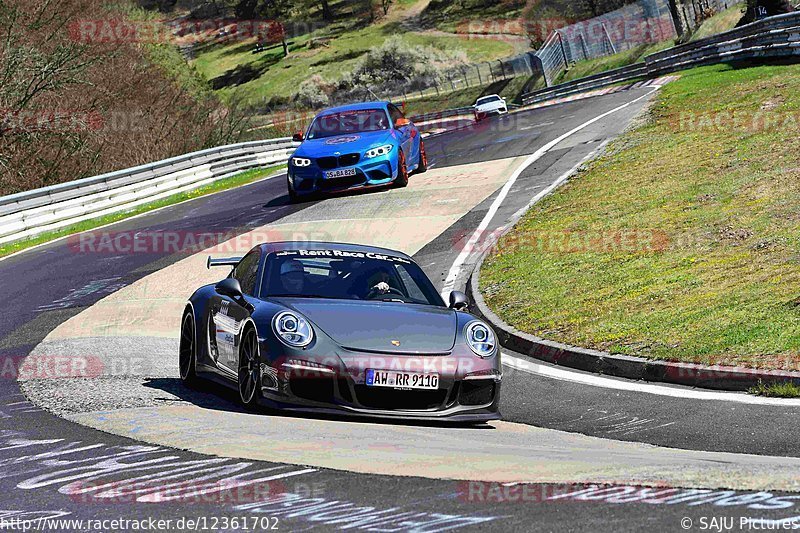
{"x":345,"y":144}
{"x":380,"y":326}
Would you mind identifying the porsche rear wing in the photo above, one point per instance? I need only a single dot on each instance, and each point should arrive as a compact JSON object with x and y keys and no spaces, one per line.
{"x":223,"y":261}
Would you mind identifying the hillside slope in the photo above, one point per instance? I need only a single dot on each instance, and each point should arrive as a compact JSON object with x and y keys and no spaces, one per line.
{"x":79,"y":98}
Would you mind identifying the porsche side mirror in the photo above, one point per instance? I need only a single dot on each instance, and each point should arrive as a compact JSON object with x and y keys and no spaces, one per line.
{"x":458,"y":301}
{"x":298,"y":137}
{"x":231,"y":288}
{"x":401,"y":123}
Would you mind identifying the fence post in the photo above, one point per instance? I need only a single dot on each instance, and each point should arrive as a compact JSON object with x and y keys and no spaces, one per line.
{"x":478,"y":70}
{"x":502,"y":68}
{"x":583,"y":46}
{"x":563,"y":51}
{"x":610,"y":42}
{"x":436,"y":86}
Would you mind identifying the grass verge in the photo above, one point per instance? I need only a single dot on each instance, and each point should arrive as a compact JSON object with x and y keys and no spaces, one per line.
{"x":681,"y":242}
{"x":238,"y":180}
{"x":786,"y":389}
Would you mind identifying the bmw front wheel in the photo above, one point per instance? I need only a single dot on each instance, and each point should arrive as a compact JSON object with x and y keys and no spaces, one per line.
{"x":402,"y":170}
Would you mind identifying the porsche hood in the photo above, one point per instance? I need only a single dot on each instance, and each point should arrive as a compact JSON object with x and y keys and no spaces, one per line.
{"x":379,"y":326}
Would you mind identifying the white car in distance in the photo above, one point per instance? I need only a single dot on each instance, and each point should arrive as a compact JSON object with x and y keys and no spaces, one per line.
{"x":492,"y":104}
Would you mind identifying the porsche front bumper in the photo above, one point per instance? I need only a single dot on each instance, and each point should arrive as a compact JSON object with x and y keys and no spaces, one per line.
{"x":459,"y":397}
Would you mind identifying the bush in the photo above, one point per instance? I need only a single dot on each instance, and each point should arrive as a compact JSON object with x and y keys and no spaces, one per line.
{"x":312,"y":93}
{"x":399,"y":63}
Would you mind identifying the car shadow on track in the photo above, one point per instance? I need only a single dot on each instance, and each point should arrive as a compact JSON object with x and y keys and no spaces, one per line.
{"x":209,"y":395}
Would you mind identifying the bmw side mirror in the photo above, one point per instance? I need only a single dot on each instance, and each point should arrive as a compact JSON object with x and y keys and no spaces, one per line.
{"x":401,"y":123}
{"x":298,"y":137}
{"x":231,"y":288}
{"x":458,"y":301}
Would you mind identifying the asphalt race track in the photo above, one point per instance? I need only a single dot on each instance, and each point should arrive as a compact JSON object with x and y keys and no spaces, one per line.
{"x":572,"y":452}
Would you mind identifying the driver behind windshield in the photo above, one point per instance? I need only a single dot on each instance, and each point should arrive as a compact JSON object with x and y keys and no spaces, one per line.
{"x":292,"y":277}
{"x":378,"y":283}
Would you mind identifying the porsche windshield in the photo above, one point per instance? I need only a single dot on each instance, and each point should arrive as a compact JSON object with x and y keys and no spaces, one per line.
{"x":348,"y":122}
{"x":487,"y":100}
{"x":346,"y":275}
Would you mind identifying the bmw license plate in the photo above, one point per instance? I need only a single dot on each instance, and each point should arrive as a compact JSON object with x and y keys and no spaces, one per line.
{"x":401,"y":380}
{"x":341,"y":173}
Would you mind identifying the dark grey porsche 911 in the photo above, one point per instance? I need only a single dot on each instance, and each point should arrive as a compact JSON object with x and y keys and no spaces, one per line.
{"x":340,"y":328}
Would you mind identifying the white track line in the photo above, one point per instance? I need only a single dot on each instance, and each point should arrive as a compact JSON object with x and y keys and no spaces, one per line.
{"x":455,"y":270}
{"x":594,"y":380}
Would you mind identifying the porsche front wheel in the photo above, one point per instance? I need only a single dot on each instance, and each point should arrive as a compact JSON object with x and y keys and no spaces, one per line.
{"x":249,"y":369}
{"x":187,"y":354}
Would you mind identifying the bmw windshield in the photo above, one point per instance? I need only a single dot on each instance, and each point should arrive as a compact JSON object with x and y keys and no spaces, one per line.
{"x":346,"y":122}
{"x":346,"y":275}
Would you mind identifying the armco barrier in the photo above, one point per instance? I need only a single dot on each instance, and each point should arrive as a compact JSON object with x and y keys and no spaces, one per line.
{"x":442,"y":114}
{"x":30,"y":213}
{"x":773,"y":37}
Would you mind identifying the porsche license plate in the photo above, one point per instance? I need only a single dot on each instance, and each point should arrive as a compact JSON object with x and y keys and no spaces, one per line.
{"x":341,"y":173}
{"x":401,"y":380}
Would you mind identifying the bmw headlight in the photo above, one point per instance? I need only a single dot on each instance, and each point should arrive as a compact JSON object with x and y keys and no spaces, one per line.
{"x":480,"y":338}
{"x":292,"y":329}
{"x":301,"y":162}
{"x":379,"y":151}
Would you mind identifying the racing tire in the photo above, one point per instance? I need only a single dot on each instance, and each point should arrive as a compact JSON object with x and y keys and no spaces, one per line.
{"x":402,"y":170}
{"x":249,"y":369}
{"x":294,"y":198}
{"x":187,"y":354}
{"x":422,"y":167}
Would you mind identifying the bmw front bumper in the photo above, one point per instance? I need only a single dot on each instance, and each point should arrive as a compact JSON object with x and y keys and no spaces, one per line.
{"x":374,"y":172}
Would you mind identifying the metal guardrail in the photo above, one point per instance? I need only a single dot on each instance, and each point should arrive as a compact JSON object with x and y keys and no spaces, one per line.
{"x":777,"y":36}
{"x":442,"y":114}
{"x":30,"y":213}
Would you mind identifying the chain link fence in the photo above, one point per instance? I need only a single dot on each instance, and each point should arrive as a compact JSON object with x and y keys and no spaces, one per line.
{"x":646,"y":22}
{"x":461,"y":77}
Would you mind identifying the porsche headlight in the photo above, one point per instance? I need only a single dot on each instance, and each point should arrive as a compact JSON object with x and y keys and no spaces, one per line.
{"x":301,"y":162}
{"x":379,"y":151}
{"x":292,"y":329}
{"x":480,"y":338}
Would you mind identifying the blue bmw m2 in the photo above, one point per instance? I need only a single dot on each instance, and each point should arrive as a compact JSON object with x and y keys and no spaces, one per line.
{"x":354,"y":147}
